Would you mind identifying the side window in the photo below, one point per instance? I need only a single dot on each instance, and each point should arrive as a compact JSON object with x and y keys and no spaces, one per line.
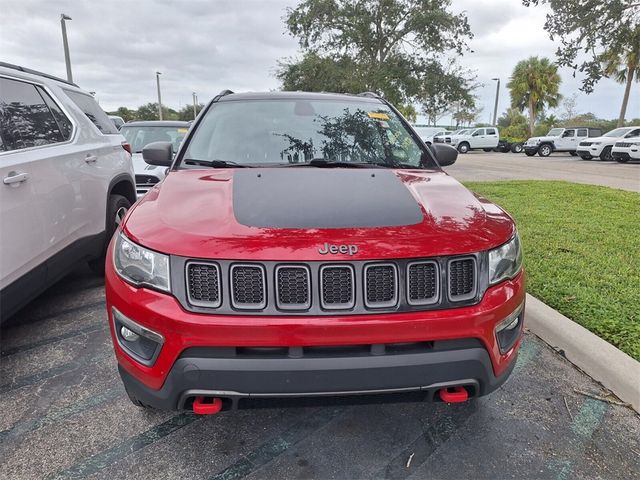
{"x":478,"y":132}
{"x":25,"y":118}
{"x":491,"y":131}
{"x":92,"y":110}
{"x":632,"y":133}
{"x":583,"y":132}
{"x":569,"y":133}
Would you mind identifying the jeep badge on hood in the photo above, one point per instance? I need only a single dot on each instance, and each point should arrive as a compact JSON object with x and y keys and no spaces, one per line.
{"x":326,"y":248}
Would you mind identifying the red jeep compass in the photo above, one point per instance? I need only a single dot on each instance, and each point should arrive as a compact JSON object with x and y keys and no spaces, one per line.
{"x":310,"y":245}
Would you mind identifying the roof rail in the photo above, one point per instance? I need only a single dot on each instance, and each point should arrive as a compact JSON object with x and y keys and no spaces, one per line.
{"x":225,"y":92}
{"x":369,"y":94}
{"x":35,"y":72}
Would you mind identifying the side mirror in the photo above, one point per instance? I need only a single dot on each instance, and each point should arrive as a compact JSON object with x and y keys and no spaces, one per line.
{"x":445,"y":154}
{"x":158,"y":153}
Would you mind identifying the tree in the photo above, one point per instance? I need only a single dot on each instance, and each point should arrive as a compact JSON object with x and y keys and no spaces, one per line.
{"x":385,"y":46}
{"x":624,"y":66}
{"x":588,"y":28}
{"x":186,"y":113}
{"x":534,"y":85}
{"x":125,"y":113}
{"x":569,"y":107}
{"x":149,"y":111}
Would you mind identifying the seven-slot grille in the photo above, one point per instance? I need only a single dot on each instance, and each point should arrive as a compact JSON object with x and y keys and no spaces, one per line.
{"x":248,"y":288}
{"x":623,"y":144}
{"x":462,"y":278}
{"x":203,"y":281}
{"x":422,"y":283}
{"x":320,"y":288}
{"x":585,"y":144}
{"x":293,"y":286}
{"x":380,"y":285}
{"x":337,"y":286}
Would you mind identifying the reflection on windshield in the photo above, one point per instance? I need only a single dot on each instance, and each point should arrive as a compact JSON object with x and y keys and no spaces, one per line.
{"x":618,"y":132}
{"x":291,"y":131}
{"x":140,"y":136}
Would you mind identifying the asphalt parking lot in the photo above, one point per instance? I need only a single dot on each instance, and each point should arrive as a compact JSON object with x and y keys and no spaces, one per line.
{"x":481,"y":166}
{"x":65,"y":415}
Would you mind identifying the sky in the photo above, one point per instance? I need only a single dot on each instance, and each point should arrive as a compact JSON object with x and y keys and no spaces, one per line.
{"x":207,"y":46}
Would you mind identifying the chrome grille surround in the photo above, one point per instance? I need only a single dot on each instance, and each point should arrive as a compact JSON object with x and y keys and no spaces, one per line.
{"x":303,"y":287}
{"x":213,"y":286}
{"x":371,"y":291}
{"x":457,"y":281}
{"x":240,"y":293}
{"x":414,"y":282}
{"x":328,"y":292}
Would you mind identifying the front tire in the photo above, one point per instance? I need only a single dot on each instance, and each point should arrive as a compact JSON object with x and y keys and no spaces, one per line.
{"x":117,"y":208}
{"x":463,"y":147}
{"x":529,"y":153}
{"x":545,"y":150}
{"x":606,"y":154}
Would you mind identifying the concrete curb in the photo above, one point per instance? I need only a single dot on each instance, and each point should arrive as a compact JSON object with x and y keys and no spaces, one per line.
{"x":603,"y":362}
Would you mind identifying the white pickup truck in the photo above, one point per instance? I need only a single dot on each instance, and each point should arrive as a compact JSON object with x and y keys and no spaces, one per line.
{"x":485,"y":138}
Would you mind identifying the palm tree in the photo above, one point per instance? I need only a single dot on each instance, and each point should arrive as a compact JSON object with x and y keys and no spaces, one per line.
{"x":534,"y":85}
{"x":623,"y":66}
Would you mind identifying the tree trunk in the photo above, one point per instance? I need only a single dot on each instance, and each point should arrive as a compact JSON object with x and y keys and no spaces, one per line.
{"x":625,"y":99}
{"x":532,"y":118}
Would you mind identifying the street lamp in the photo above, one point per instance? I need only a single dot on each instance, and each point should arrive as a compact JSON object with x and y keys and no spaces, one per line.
{"x":159,"y":97}
{"x":195,"y":102}
{"x":65,"y":43}
{"x":495,"y":107}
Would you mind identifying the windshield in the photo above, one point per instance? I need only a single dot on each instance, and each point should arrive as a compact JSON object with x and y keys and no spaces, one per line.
{"x":618,"y":132}
{"x":424,"y":132}
{"x":140,"y":136}
{"x":555,"y":132}
{"x":461,"y":132}
{"x":296,"y":131}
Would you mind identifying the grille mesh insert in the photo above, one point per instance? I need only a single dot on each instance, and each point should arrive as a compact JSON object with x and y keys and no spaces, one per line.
{"x":423,"y":283}
{"x":461,"y":278}
{"x":247,"y":286}
{"x":337,"y":287}
{"x":203,"y":281}
{"x":293,"y":286}
{"x":380,"y":285}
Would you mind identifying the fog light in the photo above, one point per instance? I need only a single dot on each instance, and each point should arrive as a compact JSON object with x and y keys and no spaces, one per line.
{"x":128,"y":335}
{"x":140,"y":343}
{"x":508,"y":331}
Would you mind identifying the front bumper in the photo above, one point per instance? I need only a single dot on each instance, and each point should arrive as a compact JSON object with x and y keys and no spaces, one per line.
{"x":626,"y":154}
{"x":178,"y":373}
{"x":530,"y":148}
{"x":593,"y":151}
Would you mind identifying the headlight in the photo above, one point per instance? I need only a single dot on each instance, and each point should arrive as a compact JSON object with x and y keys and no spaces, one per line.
{"x":505,"y":261}
{"x":140,"y":266}
{"x":596,"y":143}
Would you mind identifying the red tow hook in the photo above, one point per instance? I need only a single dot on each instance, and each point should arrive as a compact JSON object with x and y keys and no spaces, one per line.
{"x":454,"y":394}
{"x":202,"y":408}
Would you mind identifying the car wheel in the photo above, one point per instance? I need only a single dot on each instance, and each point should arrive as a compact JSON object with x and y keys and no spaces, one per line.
{"x":606,"y":154}
{"x":117,"y":209}
{"x":529,"y":153}
{"x":544,"y":150}
{"x":463,"y":147}
{"x":488,"y":149}
{"x":586,"y":157}
{"x":516,"y":148}
{"x":573,"y":154}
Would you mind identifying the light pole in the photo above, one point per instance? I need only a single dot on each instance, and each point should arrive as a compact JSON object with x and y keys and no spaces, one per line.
{"x":67,"y":60}
{"x":195,"y":102}
{"x":495,"y":107}
{"x":159,"y":97}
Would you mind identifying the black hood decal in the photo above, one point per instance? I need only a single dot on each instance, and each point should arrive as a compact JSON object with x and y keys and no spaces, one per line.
{"x":308,"y":197}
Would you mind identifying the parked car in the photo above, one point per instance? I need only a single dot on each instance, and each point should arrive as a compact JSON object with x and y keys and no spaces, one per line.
{"x":627,"y":149}
{"x":117,"y":121}
{"x":446,"y":137}
{"x":139,"y":134}
{"x":601,"y":147}
{"x":427,"y":134}
{"x":485,"y":138}
{"x":67,"y":181}
{"x":309,"y":245}
{"x":559,"y":140}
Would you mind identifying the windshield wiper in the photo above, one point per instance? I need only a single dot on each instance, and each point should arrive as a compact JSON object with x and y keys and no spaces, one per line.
{"x":322,"y":163}
{"x":215,"y":163}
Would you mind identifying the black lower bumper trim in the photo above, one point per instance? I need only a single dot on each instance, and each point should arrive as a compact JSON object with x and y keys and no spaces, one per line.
{"x":243,"y":381}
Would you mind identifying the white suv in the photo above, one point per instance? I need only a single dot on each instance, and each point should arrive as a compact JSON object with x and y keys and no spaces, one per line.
{"x":627,"y":148}
{"x":601,"y":147}
{"x":67,"y":181}
{"x":559,"y":140}
{"x":485,"y":138}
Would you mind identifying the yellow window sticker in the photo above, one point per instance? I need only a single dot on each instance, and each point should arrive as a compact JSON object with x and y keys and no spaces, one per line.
{"x":378,"y":115}
{"x":183,"y":130}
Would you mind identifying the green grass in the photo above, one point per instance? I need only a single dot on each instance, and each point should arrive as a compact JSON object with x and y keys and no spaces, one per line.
{"x":582,"y":252}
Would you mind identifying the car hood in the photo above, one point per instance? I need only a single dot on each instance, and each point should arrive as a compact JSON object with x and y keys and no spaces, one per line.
{"x":140,"y":167}
{"x":609,"y":140}
{"x":541,"y":139}
{"x":290,"y":213}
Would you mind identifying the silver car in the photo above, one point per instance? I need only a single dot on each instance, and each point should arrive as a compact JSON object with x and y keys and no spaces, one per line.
{"x":139,"y":134}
